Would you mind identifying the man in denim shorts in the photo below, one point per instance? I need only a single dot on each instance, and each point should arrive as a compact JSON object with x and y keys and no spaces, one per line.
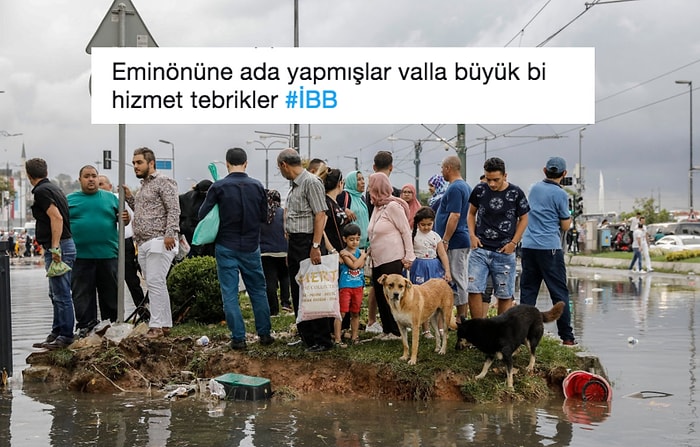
{"x":497,"y":219}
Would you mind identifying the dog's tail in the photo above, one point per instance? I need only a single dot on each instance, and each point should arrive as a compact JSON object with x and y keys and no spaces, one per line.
{"x":554,"y":313}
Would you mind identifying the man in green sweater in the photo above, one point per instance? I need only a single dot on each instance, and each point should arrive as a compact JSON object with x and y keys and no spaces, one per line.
{"x":93,"y":217}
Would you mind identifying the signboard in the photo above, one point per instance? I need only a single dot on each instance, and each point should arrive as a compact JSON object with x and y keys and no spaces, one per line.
{"x":136,"y":33}
{"x":164,"y":164}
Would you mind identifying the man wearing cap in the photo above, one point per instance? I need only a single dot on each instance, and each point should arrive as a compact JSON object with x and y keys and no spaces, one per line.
{"x":542,"y":253}
{"x":242,"y":210}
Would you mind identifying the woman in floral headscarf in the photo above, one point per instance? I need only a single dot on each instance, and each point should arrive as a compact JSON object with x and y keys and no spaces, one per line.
{"x":437,"y":186}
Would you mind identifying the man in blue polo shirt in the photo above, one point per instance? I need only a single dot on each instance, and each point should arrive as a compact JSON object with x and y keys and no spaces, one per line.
{"x":242,"y":210}
{"x":542,"y":253}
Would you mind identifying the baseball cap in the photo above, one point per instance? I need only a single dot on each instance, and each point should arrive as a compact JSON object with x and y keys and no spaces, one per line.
{"x":556,"y":165}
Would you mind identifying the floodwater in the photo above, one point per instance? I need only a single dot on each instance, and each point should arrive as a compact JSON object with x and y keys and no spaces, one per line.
{"x":654,"y":379}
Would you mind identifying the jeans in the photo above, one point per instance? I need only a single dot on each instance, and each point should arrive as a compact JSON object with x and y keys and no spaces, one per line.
{"x":228,"y":265}
{"x":155,"y":263}
{"x":93,"y":280}
{"x":636,"y":257}
{"x":547,"y":266}
{"x":500,"y":266}
{"x":60,"y":293}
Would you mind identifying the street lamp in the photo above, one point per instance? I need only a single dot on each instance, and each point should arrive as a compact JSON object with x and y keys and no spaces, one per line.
{"x":266,"y":148}
{"x":580,"y":187}
{"x":690,"y":171}
{"x":417,"y":148}
{"x":172,"y":148}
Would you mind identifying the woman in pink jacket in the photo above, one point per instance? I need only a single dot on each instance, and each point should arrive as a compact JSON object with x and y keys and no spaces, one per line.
{"x":391,"y":243}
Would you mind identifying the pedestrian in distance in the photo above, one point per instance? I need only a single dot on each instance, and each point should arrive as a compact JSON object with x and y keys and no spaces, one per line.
{"x":242,"y":211}
{"x":50,"y":210}
{"x":637,"y":241}
{"x":542,"y":251}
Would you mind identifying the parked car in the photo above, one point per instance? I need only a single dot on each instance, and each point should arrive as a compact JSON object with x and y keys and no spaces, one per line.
{"x":680,"y":228}
{"x":678,"y":242}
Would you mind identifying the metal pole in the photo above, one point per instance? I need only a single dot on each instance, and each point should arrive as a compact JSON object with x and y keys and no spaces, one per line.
{"x":462,"y":149}
{"x":418,"y":148}
{"x":295,"y":127}
{"x":580,"y":186}
{"x":690,"y":86}
{"x":267,"y":168}
{"x":122,"y":179}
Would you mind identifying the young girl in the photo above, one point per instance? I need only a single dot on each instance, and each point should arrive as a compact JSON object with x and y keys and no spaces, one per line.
{"x":351,"y":281}
{"x":431,"y":256}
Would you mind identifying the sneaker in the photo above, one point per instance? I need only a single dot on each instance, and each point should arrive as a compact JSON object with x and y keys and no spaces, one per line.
{"x":239,"y":345}
{"x":374,"y":327}
{"x":569,"y":343}
{"x":82,"y":332}
{"x":58,"y":343}
{"x":49,"y":338}
{"x":266,"y":340}
{"x":650,"y":270}
{"x":287,"y":308}
{"x":642,"y":271}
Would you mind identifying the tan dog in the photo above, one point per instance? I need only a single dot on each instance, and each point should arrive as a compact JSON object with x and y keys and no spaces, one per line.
{"x":412,"y":305}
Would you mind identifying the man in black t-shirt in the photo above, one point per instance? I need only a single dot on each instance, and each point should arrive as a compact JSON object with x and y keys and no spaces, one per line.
{"x":50,"y":210}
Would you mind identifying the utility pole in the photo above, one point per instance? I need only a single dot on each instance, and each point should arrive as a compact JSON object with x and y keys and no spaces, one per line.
{"x":462,"y":149}
{"x":417,"y":148}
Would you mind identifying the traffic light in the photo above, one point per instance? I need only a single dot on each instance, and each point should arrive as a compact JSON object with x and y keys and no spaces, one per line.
{"x":571,"y":206}
{"x":107,"y":159}
{"x":578,"y":206}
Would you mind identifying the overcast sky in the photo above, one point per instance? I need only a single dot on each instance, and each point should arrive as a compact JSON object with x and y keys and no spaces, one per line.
{"x":640,"y":141}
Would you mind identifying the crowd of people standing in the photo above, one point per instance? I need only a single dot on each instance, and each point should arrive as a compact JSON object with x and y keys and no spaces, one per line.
{"x":465,"y":235}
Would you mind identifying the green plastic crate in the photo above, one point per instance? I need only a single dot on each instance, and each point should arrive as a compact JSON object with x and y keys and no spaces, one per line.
{"x":242,"y":387}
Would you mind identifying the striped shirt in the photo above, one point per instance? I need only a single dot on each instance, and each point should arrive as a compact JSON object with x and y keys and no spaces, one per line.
{"x":306,"y":198}
{"x":156,"y":209}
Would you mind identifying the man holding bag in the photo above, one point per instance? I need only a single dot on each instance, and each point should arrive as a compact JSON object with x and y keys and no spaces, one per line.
{"x":305,"y":220}
{"x":242,"y":210}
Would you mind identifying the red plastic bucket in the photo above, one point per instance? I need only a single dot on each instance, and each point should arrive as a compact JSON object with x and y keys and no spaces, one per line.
{"x":587,"y":386}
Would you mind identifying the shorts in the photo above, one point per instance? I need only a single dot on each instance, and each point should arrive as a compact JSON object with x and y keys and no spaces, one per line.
{"x":459,"y":259}
{"x":351,"y":299}
{"x":499,"y":266}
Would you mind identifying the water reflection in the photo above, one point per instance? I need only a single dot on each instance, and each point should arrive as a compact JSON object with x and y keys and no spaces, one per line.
{"x":607,"y":308}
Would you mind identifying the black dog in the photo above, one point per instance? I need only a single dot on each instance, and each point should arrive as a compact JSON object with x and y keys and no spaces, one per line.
{"x":499,"y":337}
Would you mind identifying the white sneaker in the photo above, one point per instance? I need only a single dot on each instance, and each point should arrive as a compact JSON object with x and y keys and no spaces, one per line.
{"x":374,"y":327}
{"x":642,"y":271}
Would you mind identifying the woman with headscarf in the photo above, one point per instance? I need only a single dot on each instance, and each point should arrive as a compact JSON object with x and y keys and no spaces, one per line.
{"x":391,"y":243}
{"x":352,"y":198}
{"x":437,"y":185}
{"x":408,"y":194}
{"x":273,"y":251}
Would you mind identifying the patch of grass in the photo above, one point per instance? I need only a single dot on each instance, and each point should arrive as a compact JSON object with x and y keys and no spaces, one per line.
{"x":64,"y":358}
{"x":111,"y":362}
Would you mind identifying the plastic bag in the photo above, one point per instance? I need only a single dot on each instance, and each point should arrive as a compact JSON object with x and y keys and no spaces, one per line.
{"x":206,"y":230}
{"x":318,"y":289}
{"x":183,"y":248}
{"x":57,"y":268}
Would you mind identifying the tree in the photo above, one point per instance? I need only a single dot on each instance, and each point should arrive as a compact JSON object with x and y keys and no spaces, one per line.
{"x":647,"y":208}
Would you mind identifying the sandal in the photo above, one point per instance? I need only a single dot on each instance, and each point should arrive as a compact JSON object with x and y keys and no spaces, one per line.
{"x":428,"y":334}
{"x":355,"y":341}
{"x":339,"y":344}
